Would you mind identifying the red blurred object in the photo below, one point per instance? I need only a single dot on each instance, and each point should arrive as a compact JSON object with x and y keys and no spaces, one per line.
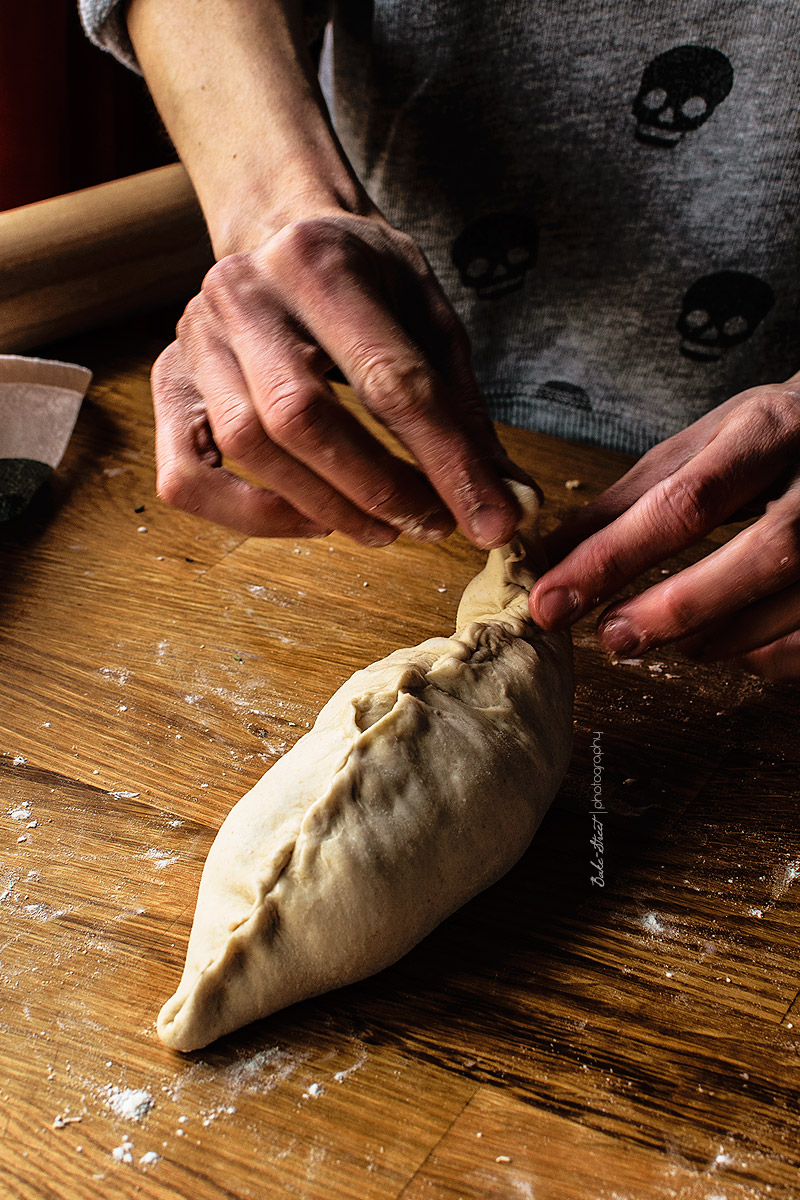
{"x":70,"y":115}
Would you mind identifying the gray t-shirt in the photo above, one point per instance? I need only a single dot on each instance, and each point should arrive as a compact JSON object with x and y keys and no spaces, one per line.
{"x":607,"y":190}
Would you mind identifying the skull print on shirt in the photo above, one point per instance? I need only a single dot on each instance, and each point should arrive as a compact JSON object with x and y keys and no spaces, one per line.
{"x":679,"y":91}
{"x":720,"y":311}
{"x":494,"y":252}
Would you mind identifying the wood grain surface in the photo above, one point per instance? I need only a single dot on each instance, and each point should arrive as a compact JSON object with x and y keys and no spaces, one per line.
{"x":554,"y":1040}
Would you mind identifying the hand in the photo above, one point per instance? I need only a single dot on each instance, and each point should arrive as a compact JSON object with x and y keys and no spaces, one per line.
{"x":245,"y":379}
{"x":742,"y":601}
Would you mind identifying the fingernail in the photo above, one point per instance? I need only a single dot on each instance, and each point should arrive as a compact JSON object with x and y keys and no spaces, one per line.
{"x":620,"y":636}
{"x":491,"y":526}
{"x":557,"y":607}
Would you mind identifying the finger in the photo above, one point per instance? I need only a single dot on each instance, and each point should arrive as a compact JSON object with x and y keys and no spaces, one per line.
{"x":437,"y":330}
{"x":756,"y":625}
{"x":656,"y":465}
{"x":672,"y":514}
{"x":778,"y":662}
{"x":396,"y":382}
{"x":756,"y":563}
{"x":239,"y":434}
{"x":451,"y":353}
{"x":300,"y":413}
{"x":189,"y":476}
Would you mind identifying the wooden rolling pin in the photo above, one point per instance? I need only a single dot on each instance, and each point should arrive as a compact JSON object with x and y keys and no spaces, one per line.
{"x":92,"y":256}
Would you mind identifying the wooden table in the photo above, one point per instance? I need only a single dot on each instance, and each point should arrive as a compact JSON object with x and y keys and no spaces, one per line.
{"x":554,"y":1040}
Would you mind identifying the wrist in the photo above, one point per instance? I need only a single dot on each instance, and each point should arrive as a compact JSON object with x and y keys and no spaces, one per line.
{"x":253,"y":204}
{"x":239,"y":95}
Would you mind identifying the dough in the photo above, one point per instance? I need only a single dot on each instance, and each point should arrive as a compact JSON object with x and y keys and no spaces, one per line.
{"x":422,"y":781}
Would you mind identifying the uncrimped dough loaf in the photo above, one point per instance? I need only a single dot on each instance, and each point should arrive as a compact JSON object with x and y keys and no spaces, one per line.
{"x":422,"y":781}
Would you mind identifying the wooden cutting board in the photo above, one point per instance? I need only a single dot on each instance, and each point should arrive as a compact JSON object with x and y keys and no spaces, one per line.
{"x":553,"y":1040}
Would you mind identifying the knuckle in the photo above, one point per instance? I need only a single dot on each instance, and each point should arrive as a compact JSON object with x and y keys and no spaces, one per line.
{"x":689,"y":504}
{"x":314,"y":247}
{"x":170,"y":384}
{"x":192,"y":319}
{"x":410,"y":250}
{"x":174,"y":487}
{"x":398,"y":389}
{"x":232,"y":290}
{"x":225,"y":276}
{"x":606,"y":565}
{"x":238,"y":433}
{"x":678,"y":609}
{"x":783,"y":407}
{"x":293,"y":415}
{"x":405,"y":242}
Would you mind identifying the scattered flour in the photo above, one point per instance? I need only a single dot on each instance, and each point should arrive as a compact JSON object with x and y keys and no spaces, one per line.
{"x":166,"y":862}
{"x":118,"y":676}
{"x":340,"y":1076}
{"x":162,"y":858}
{"x":259,"y":1073}
{"x":149,"y":1159}
{"x":782,"y":879}
{"x":62,"y":1120}
{"x":262,"y":593}
{"x":132,"y":1104}
{"x":651,"y":923}
{"x":227,"y":1110}
{"x":43,"y":912}
{"x":23,"y":813}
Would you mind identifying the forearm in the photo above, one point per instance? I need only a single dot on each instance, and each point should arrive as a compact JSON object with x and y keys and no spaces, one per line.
{"x":237,"y":91}
{"x":311,"y":274}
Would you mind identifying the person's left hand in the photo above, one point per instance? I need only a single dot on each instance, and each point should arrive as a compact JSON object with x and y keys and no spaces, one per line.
{"x":742,"y":601}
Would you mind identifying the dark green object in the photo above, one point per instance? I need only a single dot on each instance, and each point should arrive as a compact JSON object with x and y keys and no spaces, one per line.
{"x":20,"y":479}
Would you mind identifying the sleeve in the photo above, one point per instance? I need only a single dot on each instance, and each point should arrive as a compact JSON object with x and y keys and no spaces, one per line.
{"x":104,"y":23}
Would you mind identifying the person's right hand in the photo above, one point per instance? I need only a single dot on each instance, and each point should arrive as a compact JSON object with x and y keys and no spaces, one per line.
{"x":245,"y":379}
